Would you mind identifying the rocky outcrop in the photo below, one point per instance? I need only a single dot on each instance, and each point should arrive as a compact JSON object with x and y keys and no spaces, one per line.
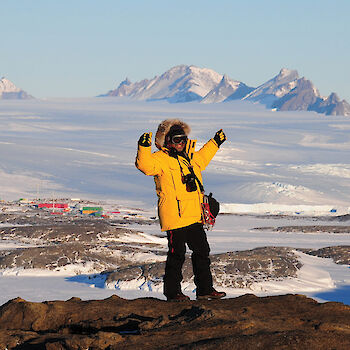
{"x":339,"y":254}
{"x":246,"y":322}
{"x":314,"y":228}
{"x":239,"y":269}
{"x":80,"y":246}
{"x":95,"y":246}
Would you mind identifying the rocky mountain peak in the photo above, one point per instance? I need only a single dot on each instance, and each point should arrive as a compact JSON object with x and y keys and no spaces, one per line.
{"x":285,"y":72}
{"x":178,"y":84}
{"x":7,"y":86}
{"x":333,"y":98}
{"x":332,"y":105}
{"x":225,"y":79}
{"x":228,"y":89}
{"x":304,"y":84}
{"x":125,"y":82}
{"x":8,"y":90}
{"x":302,"y":97}
{"x":275,"y":88}
{"x":174,"y":71}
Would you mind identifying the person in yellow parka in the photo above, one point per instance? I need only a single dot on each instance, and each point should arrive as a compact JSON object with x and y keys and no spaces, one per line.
{"x":177,"y":176}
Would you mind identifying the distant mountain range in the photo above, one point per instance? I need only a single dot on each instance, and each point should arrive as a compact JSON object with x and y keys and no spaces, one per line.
{"x":9,"y":91}
{"x":285,"y":92}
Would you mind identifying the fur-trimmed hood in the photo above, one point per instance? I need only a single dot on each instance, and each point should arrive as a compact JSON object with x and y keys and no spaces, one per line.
{"x":164,"y":128}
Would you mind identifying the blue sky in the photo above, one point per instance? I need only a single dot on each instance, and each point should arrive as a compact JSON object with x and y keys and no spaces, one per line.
{"x":84,"y":48}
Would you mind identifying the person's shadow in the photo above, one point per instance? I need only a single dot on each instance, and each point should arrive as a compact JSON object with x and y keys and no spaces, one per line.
{"x":97,"y":280}
{"x":340,"y":294}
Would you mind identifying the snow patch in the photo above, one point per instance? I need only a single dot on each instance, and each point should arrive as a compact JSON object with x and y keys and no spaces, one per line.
{"x":311,"y":278}
{"x":67,"y":270}
{"x":282,"y":209}
{"x":336,"y":170}
{"x":283,"y":194}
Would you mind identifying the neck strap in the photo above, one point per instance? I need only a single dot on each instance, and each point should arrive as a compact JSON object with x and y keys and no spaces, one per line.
{"x":190,"y":168}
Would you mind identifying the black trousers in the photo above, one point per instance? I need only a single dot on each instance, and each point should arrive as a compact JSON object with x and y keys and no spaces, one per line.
{"x":196,"y":239}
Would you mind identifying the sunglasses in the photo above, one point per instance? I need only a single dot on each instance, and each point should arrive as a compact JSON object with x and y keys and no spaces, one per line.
{"x":176,"y":139}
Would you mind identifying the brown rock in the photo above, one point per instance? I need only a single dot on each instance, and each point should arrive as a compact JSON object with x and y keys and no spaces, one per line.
{"x":246,"y":322}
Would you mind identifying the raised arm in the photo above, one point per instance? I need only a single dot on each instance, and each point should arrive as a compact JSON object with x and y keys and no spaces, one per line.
{"x":145,"y":160}
{"x":208,"y":151}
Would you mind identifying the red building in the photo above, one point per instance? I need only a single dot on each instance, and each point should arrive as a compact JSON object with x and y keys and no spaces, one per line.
{"x":53,"y":205}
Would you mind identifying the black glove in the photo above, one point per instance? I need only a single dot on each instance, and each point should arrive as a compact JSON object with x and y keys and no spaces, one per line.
{"x":220,"y":137}
{"x":146,"y":139}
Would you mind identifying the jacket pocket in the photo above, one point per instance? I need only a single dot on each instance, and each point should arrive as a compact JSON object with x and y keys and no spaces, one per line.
{"x":179,"y":185}
{"x":189,"y":208}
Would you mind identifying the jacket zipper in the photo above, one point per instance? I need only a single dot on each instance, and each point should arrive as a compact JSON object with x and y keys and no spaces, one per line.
{"x":178,"y":207}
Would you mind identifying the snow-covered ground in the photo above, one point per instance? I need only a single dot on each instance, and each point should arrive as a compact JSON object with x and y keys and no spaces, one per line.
{"x":318,"y":278}
{"x":291,"y":163}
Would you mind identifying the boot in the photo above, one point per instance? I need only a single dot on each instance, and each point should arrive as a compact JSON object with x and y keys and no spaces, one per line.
{"x":178,"y":297}
{"x":213,"y":295}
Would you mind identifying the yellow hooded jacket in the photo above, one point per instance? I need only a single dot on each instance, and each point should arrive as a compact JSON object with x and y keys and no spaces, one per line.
{"x":176,"y":206}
